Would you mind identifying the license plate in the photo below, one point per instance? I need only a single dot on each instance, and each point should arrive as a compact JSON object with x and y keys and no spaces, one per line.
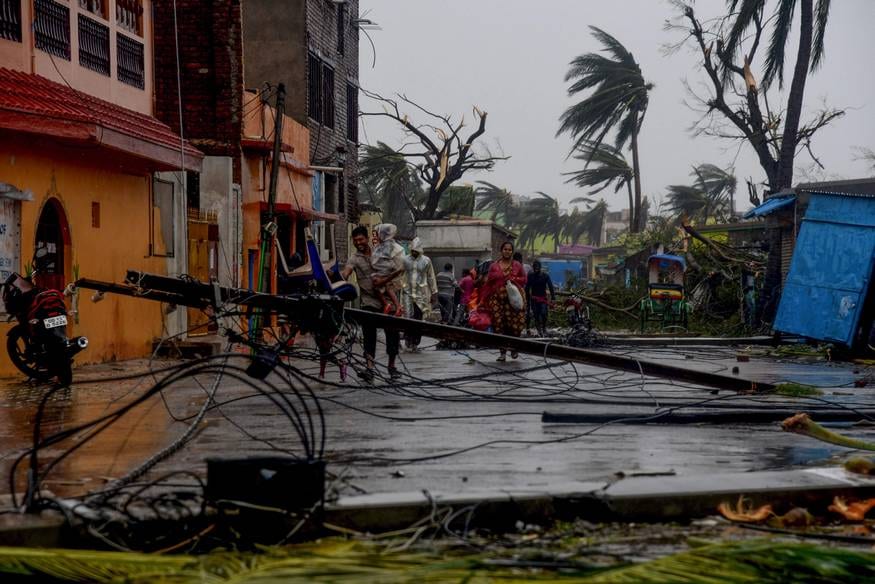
{"x":55,"y":321}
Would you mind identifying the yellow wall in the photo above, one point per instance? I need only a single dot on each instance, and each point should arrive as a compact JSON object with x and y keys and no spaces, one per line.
{"x":118,"y":327}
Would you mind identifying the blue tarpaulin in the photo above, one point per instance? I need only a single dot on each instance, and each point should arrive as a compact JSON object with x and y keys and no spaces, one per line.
{"x":831,"y":269}
{"x":770,"y":206}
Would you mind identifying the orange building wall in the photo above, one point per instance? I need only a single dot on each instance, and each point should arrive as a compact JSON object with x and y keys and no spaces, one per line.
{"x":24,"y":57}
{"x":118,"y":327}
{"x":293,"y":185}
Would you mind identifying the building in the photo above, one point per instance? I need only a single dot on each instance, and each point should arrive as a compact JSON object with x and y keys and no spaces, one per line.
{"x":79,"y":161}
{"x":616,"y":222}
{"x":312,"y":47}
{"x":229,"y":113}
{"x":462,"y":242}
{"x":783,"y":214}
{"x":828,"y":294}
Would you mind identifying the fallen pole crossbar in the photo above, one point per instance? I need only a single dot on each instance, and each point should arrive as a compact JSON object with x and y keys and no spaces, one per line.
{"x":555,"y":351}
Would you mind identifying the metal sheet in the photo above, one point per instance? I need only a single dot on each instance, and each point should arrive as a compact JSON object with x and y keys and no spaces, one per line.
{"x":831,"y":269}
{"x":770,"y":206}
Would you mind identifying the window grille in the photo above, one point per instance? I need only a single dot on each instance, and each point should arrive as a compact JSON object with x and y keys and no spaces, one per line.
{"x":93,"y":45}
{"x":51,"y":28}
{"x":10,"y":20}
{"x":129,"y":55}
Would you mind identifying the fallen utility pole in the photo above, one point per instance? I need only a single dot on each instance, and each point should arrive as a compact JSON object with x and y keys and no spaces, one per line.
{"x":556,"y":351}
{"x":314,"y":311}
{"x":732,"y":417}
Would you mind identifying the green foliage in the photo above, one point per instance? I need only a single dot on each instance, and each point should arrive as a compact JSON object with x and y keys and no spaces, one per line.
{"x":334,"y":560}
{"x":707,"y":198}
{"x":793,"y":389}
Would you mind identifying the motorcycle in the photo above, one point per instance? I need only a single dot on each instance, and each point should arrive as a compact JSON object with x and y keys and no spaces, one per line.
{"x":38,"y":345}
{"x":581,"y":333}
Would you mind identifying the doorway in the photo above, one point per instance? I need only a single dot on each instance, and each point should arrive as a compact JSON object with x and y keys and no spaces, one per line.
{"x":53,"y":235}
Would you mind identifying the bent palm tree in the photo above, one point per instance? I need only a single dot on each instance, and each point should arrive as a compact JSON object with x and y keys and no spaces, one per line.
{"x":387,"y":179}
{"x":604,"y":165}
{"x":501,"y":202}
{"x":588,"y":225}
{"x":618,"y":100}
{"x":542,"y":215}
{"x":708,"y":197}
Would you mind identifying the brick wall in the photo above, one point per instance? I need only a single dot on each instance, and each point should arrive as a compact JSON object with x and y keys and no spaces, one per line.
{"x":211,"y":66}
{"x":322,"y":39}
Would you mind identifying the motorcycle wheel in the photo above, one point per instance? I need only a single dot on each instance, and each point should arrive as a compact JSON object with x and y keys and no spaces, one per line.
{"x":64,"y":373}
{"x":17,"y":347}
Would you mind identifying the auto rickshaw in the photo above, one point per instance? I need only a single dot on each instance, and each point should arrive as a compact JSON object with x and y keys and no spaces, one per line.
{"x":666,"y":300}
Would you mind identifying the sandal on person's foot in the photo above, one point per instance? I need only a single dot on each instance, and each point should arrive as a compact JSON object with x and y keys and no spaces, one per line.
{"x":366,"y":374}
{"x":501,"y":359}
{"x":394,"y":373}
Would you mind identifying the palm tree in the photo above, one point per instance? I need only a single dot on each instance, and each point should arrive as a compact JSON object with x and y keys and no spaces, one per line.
{"x":604,"y":164}
{"x":708,"y":197}
{"x":809,"y":55}
{"x":542,"y":215}
{"x":388,"y":181}
{"x":457,"y":200}
{"x":589,"y":225}
{"x":501,"y":202}
{"x":618,"y":100}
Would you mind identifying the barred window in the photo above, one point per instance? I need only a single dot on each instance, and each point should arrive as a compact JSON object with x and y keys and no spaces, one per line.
{"x":328,"y":96}
{"x":51,"y":28}
{"x":314,"y":87}
{"x":129,"y":55}
{"x":93,"y":45}
{"x":352,"y":113}
{"x":320,"y":91}
{"x":10,"y":20}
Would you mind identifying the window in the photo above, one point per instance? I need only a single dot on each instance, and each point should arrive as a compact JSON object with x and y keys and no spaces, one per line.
{"x":51,"y":28}
{"x":163,"y":218}
{"x":93,"y":45}
{"x":129,"y":55}
{"x":314,"y":85}
{"x":10,"y":20}
{"x":320,"y":91}
{"x":193,"y":190}
{"x":352,"y":113}
{"x":341,"y":195}
{"x":98,"y":7}
{"x":129,"y":15}
{"x":341,"y":29}
{"x":328,"y":96}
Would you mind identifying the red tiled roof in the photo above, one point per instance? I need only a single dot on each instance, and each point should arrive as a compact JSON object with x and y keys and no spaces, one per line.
{"x":34,"y":104}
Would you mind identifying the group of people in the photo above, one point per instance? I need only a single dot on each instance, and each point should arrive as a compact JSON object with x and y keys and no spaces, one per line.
{"x":501,"y":296}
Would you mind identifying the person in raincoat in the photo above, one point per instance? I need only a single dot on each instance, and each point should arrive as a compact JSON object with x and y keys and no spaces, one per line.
{"x":384,"y":260}
{"x":421,"y":288}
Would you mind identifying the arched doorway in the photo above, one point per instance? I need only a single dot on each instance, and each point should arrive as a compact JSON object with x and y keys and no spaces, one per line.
{"x":53,"y":234}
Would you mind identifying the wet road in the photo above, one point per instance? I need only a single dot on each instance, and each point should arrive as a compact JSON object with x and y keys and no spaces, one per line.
{"x":445,"y":402}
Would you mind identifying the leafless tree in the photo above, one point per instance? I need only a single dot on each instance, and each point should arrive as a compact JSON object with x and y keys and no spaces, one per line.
{"x":736,"y":106}
{"x":437,"y":150}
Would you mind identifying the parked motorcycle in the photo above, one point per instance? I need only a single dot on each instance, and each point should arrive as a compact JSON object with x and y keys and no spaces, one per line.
{"x":580,"y":333}
{"x":38,"y":345}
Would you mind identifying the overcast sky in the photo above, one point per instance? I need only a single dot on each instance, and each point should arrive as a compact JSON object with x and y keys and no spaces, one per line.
{"x":509,"y":57}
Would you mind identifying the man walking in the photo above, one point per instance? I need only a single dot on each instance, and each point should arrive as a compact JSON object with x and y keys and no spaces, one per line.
{"x":537,"y":285}
{"x":369,"y":282}
{"x":421,"y":289}
{"x":446,"y":289}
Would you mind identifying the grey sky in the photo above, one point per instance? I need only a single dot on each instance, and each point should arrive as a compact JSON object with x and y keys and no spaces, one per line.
{"x":509,"y":57}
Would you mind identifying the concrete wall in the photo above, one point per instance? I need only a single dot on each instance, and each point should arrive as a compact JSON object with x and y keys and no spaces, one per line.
{"x":220,"y":195}
{"x":473,"y":238}
{"x":22,"y":56}
{"x":118,"y":327}
{"x":270,"y":33}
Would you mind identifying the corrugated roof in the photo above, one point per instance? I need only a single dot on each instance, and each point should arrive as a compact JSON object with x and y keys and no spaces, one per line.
{"x":50,"y":102}
{"x":770,"y":206}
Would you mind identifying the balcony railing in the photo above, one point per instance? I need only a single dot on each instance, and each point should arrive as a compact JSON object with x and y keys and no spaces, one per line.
{"x":93,"y":45}
{"x":129,"y":55}
{"x":52,"y":28}
{"x":10,"y":20}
